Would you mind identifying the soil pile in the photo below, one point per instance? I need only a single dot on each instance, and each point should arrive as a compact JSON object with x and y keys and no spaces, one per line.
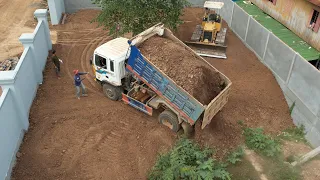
{"x":183,"y":67}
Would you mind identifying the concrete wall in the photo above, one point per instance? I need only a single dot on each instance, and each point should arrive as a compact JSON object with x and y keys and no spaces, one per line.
{"x":75,"y":5}
{"x":197,"y":3}
{"x":19,"y":88}
{"x":56,"y":8}
{"x":11,"y":131}
{"x":294,"y":14}
{"x":298,"y":79}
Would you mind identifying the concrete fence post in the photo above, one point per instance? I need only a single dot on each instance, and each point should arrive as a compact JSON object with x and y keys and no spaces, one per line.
{"x":231,"y":14}
{"x":27,"y":40}
{"x":247,"y":29}
{"x":56,"y":8}
{"x":266,"y":47}
{"x":42,"y":16}
{"x":291,"y":67}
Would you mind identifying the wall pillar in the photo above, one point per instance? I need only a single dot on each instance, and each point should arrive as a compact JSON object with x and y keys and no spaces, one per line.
{"x":42,"y":15}
{"x":27,"y":40}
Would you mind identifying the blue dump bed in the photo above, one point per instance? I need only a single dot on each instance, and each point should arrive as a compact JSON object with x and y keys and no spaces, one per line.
{"x":179,"y":99}
{"x":189,"y":108}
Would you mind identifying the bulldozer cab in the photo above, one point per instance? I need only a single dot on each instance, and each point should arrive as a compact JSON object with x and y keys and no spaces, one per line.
{"x":211,"y":25}
{"x":211,"y":16}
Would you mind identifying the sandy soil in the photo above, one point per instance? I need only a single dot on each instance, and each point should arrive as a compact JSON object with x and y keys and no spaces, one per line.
{"x":95,"y":138}
{"x":16,"y":18}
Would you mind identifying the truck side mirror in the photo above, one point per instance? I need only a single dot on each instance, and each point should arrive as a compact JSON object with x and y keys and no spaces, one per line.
{"x":91,"y":60}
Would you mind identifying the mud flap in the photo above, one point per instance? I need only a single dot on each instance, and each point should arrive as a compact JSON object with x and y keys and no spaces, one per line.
{"x":137,"y":104}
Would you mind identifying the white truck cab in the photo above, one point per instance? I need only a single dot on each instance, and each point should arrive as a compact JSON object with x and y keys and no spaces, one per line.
{"x":109,"y":61}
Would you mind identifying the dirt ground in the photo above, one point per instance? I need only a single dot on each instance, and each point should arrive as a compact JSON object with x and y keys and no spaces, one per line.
{"x":16,"y":18}
{"x":183,"y":67}
{"x":255,"y":98}
{"x":96,"y":138}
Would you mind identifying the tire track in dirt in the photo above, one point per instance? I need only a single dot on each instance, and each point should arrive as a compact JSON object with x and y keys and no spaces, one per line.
{"x":85,"y":61}
{"x":68,"y":56}
{"x":94,"y":138}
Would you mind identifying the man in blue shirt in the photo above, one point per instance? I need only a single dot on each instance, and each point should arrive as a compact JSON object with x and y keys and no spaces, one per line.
{"x":78,"y":83}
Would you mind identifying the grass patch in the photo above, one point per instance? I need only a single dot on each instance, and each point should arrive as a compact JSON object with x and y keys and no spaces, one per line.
{"x":243,"y":171}
{"x":279,"y":170}
{"x":256,"y":140}
{"x":235,"y":156}
{"x":291,"y":159}
{"x":294,"y":134}
{"x":291,"y":107}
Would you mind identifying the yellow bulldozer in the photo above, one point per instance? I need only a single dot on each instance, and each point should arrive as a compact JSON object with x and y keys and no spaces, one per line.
{"x":208,"y":39}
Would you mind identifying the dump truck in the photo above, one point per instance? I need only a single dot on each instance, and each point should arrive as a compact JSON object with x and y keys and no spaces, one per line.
{"x":208,"y":38}
{"x":126,"y":74}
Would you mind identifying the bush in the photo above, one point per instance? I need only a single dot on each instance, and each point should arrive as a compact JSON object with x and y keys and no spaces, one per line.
{"x":236,"y":156}
{"x":188,"y":161}
{"x":255,"y":139}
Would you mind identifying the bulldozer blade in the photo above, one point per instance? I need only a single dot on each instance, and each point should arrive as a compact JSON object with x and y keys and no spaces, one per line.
{"x":208,"y":50}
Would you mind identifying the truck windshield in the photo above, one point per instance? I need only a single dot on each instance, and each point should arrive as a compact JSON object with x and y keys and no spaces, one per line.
{"x":100,"y":61}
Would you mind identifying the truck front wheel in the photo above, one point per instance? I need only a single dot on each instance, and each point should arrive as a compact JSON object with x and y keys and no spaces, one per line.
{"x":112,"y":92}
{"x":169,"y":119}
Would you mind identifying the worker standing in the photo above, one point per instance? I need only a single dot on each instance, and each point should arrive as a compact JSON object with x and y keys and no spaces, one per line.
{"x":78,"y":83}
{"x":56,"y":61}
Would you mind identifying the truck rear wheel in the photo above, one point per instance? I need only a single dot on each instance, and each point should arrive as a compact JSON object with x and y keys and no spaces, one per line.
{"x":112,"y":92}
{"x":169,"y":119}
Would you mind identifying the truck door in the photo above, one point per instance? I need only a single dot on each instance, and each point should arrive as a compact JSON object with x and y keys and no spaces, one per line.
{"x":104,"y":68}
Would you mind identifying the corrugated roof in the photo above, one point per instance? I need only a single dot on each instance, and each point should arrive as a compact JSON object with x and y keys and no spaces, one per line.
{"x":283,"y":33}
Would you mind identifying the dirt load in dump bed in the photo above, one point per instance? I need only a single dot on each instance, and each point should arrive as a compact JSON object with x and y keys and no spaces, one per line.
{"x":183,"y":67}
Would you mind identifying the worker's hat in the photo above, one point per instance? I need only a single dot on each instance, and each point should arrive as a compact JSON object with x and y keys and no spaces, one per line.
{"x":75,"y":71}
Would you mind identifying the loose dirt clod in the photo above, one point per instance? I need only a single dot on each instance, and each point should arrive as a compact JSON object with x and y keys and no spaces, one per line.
{"x":183,"y":67}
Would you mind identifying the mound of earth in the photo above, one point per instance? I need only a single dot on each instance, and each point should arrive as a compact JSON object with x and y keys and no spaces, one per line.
{"x":183,"y":67}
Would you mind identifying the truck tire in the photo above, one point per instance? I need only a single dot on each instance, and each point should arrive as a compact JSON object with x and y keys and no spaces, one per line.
{"x":169,"y":119}
{"x":112,"y":92}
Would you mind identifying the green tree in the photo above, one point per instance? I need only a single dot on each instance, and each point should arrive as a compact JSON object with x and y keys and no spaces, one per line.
{"x":124,"y":16}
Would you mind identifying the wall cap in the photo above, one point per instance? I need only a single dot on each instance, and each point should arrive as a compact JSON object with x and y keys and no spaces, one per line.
{"x":41,"y":13}
{"x":26,"y":38}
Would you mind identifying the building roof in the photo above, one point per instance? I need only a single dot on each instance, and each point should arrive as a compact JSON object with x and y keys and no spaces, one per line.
{"x":282,"y":32}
